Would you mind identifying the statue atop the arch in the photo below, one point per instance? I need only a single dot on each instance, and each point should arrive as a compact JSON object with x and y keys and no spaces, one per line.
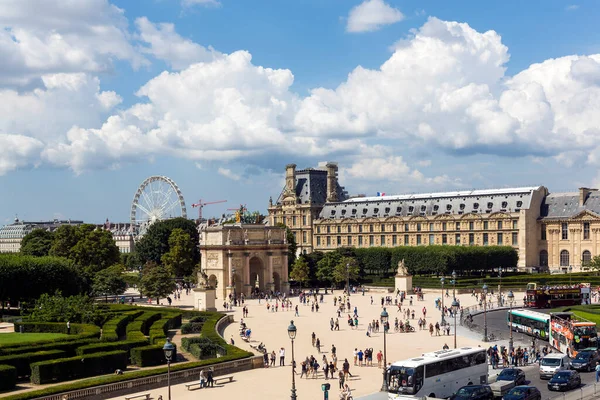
{"x":202,"y":279}
{"x":402,"y":270}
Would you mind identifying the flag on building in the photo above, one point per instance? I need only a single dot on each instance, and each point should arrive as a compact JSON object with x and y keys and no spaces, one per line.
{"x":380,"y":194}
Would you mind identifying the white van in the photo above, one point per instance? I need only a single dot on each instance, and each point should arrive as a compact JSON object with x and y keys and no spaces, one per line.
{"x":553,"y":363}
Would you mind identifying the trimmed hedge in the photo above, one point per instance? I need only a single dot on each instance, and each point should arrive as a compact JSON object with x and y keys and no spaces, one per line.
{"x":78,"y":331}
{"x":202,"y":348}
{"x":68,"y":347}
{"x":126,"y":345}
{"x":199,"y":318}
{"x":191,"y":327}
{"x":139,"y":327}
{"x":114,"y":328}
{"x":78,"y":367}
{"x":159,"y":329}
{"x":22,"y":361}
{"x":8,"y":377}
{"x":149,"y":356}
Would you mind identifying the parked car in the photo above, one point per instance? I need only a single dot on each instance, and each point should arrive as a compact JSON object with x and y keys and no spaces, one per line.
{"x":473,"y":392}
{"x":515,"y":375}
{"x":552,"y":363}
{"x":523,"y":393}
{"x":585,"y":360}
{"x":564,"y":380}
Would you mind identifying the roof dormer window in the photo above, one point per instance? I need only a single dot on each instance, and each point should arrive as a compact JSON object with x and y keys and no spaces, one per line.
{"x":504,"y":204}
{"x":490,"y":205}
{"x":462,"y":206}
{"x":448,"y":207}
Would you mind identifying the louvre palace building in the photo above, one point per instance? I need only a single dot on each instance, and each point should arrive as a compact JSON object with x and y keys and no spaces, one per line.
{"x":550,"y":231}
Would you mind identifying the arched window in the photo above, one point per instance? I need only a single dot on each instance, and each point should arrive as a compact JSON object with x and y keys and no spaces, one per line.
{"x":543,"y":258}
{"x":586,"y":257}
{"x":564,"y":258}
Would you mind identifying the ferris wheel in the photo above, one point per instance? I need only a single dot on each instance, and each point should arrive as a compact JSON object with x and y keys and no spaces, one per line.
{"x":157,"y":198}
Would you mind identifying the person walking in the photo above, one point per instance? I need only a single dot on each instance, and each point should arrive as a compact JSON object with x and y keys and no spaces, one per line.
{"x":341,"y":379}
{"x":273,"y":356}
{"x":597,"y":371}
{"x":331,"y":323}
{"x":210,"y":382}
{"x":314,"y":338}
{"x":282,"y":357}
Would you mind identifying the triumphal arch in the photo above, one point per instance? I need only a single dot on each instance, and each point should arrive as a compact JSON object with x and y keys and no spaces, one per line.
{"x":244,"y":258}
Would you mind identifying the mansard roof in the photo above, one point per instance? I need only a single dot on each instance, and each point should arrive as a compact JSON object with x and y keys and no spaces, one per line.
{"x":311,"y":187}
{"x":430,"y":204}
{"x":566,"y":205}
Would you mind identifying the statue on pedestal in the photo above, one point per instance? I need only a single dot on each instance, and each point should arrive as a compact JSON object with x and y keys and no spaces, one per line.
{"x":202,"y":279}
{"x":402,"y":270}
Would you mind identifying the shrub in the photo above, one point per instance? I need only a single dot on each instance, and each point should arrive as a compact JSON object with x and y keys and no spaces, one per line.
{"x":139,"y":327}
{"x":78,"y":331}
{"x":68,"y":347}
{"x":78,"y":367}
{"x":199,"y":318}
{"x":191,"y":327}
{"x":159,"y":329}
{"x":202,"y":348}
{"x":126,"y":345}
{"x":114,"y":328}
{"x":8,"y":377}
{"x":22,"y":361}
{"x":148,"y":356}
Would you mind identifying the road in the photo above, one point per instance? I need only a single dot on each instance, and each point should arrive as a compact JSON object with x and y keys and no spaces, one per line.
{"x":496,"y":323}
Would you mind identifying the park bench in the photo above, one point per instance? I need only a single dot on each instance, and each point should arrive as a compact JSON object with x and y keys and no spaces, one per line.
{"x":224,"y":378}
{"x":146,"y":395}
{"x":189,"y":386}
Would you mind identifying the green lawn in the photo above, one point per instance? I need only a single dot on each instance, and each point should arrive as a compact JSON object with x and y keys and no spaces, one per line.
{"x":13,"y":338}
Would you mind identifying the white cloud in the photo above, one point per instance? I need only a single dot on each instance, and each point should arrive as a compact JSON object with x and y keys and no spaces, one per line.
{"x":39,"y":37}
{"x":166,"y":44}
{"x":572,"y":7}
{"x":424,"y":163}
{"x":227,"y":173}
{"x":189,"y":3}
{"x":18,"y":151}
{"x":371,"y":15}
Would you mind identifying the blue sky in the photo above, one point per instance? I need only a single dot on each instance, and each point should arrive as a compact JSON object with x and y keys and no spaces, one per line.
{"x":408,"y":96}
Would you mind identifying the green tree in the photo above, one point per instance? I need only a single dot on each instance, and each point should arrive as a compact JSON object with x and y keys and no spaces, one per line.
{"x":300,"y":271}
{"x":157,"y":281}
{"x":95,"y":250}
{"x":292,"y":246}
{"x":595,"y":263}
{"x":326,"y":266}
{"x":37,"y":243}
{"x":109,"y":281}
{"x":56,"y":308}
{"x":180,"y":255}
{"x":346,"y":267}
{"x":65,"y":237}
{"x":155,"y":242}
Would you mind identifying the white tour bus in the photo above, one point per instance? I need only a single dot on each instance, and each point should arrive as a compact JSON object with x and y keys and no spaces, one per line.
{"x":439,"y":374}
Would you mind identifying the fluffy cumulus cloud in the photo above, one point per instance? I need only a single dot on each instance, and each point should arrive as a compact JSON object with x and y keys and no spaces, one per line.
{"x":371,"y":15}
{"x":40,"y":37}
{"x":444,"y":88}
{"x":227,"y":173}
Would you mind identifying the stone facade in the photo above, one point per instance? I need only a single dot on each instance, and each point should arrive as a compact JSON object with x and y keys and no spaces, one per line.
{"x":238,"y":258}
{"x":302,"y":199}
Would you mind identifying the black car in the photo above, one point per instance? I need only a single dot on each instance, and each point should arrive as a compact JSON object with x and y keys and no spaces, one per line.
{"x":523,"y":393}
{"x":585,"y":360}
{"x":564,"y":380}
{"x":473,"y":392}
{"x":515,"y":375}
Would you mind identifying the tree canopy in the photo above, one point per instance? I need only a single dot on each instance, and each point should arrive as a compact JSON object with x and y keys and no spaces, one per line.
{"x":300,"y":271}
{"x":155,"y":243}
{"x":37,"y":243}
{"x":109,"y":281}
{"x":95,"y":250}
{"x":157,"y":281}
{"x":180,"y":257}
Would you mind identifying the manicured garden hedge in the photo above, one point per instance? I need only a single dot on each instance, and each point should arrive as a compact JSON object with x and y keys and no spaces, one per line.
{"x":8,"y":377}
{"x":78,"y":331}
{"x":202,"y":348}
{"x":22,"y":361}
{"x":159,"y":329}
{"x":78,"y":367}
{"x":149,"y":356}
{"x":191,"y":327}
{"x":114,"y":328}
{"x":139,"y":327}
{"x":126,"y":345}
{"x":68,"y":347}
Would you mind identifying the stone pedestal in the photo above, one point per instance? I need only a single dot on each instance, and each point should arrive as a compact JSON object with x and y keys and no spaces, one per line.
{"x":270,"y":287}
{"x":404,"y":283}
{"x":204,"y":299}
{"x":285,"y":288}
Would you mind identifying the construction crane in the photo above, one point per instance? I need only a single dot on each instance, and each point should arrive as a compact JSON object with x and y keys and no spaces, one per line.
{"x":200,"y":205}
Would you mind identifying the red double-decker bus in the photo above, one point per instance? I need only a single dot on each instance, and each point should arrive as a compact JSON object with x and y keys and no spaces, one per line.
{"x":553,"y":296}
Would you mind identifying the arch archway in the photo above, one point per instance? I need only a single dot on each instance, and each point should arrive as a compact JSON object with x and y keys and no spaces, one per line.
{"x":257,"y":274}
{"x":276,"y":282}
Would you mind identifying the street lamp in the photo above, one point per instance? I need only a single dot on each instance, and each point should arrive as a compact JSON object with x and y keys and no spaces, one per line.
{"x":442,"y":280}
{"x":500,"y":287}
{"x":511,"y":299}
{"x":384,"y":321}
{"x":455,"y":307}
{"x":168,"y":348}
{"x":485,"y":290}
{"x":348,"y":278}
{"x":570,"y":270}
{"x":292,"y":334}
{"x":454,"y":285}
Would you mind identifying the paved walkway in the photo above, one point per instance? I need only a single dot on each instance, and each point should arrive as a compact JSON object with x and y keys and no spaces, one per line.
{"x":271,"y":329}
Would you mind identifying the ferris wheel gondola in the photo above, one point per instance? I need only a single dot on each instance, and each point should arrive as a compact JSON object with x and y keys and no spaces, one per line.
{"x":158,"y":198}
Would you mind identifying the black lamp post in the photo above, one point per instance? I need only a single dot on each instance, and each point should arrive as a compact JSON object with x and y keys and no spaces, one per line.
{"x":384,"y":321}
{"x":570,"y":270}
{"x":454,"y":285}
{"x":348,"y":279}
{"x":292,"y":334}
{"x":500,"y":287}
{"x":511,"y":299}
{"x":485,"y":290}
{"x":442,"y":280}
{"x":455,"y":307}
{"x":168,"y":348}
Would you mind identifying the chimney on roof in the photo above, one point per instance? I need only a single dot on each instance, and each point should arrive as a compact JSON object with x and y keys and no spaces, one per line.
{"x":290,"y":179}
{"x":332,"y":182}
{"x":583,"y":194}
